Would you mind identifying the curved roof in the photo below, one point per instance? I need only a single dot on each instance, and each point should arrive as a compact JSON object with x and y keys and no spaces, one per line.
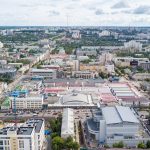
{"x":67,"y":127}
{"x":75,"y":98}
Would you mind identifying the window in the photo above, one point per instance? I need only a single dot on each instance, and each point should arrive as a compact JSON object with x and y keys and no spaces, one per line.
{"x":6,"y":142}
{"x":1,"y":142}
{"x":21,"y":144}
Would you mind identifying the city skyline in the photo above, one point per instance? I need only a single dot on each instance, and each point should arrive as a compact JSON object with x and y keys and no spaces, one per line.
{"x":75,"y":13}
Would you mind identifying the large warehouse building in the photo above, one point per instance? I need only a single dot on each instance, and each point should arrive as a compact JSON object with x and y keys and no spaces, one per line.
{"x":76,"y":99}
{"x":114,"y":124}
{"x":67,"y":128}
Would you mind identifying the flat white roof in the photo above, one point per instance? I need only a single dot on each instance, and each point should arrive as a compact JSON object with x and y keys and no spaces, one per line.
{"x":42,"y":70}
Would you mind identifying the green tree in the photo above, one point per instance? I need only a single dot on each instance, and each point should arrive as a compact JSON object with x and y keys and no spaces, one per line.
{"x":118,"y":145}
{"x":70,"y":144}
{"x":57,"y":143}
{"x":55,"y":125}
{"x":141,"y":145}
{"x":53,"y":135}
{"x":75,"y":146}
{"x":148,"y":144}
{"x":86,"y":61}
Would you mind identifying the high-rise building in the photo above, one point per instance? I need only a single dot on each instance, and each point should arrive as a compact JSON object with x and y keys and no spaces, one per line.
{"x":133,"y":46}
{"x":76,"y":34}
{"x":1,"y":45}
{"x":28,"y":136}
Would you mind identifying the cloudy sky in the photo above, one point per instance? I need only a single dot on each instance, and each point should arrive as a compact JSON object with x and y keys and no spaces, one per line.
{"x":78,"y":12}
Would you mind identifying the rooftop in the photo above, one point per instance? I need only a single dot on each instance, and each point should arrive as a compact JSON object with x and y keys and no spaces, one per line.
{"x":67,"y":122}
{"x":24,"y":129}
{"x":41,"y":70}
{"x":76,"y":97}
{"x":119,"y":114}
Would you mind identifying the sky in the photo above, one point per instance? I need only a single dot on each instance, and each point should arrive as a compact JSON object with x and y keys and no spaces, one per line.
{"x":75,"y":12}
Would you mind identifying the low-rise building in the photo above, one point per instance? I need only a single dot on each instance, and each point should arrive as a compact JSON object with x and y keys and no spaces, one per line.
{"x":67,"y":128}
{"x":126,"y":61}
{"x":145,"y":86}
{"x":83,"y":74}
{"x":110,"y":68}
{"x":82,"y":58}
{"x":46,"y":73}
{"x":7,"y":72}
{"x":133,"y":46}
{"x":76,"y":99}
{"x":105,"y":33}
{"x":3,"y":86}
{"x":89,"y":67}
{"x":28,"y":102}
{"x":145,"y":65}
{"x":3,"y":61}
{"x":1,"y":45}
{"x":86,"y":52}
{"x":141,"y":76}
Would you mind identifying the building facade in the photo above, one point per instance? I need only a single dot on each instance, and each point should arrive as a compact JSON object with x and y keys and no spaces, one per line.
{"x":111,"y":125}
{"x":29,"y":136}
{"x":28,"y":102}
{"x":46,"y":73}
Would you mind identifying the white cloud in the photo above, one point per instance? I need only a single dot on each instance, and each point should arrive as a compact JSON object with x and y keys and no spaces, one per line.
{"x":120,"y":4}
{"x":80,"y":12}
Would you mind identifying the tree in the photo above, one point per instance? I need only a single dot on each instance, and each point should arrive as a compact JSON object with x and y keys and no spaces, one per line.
{"x":75,"y":146}
{"x":39,"y":67}
{"x":86,"y":61}
{"x":148,"y":144}
{"x":24,"y":61}
{"x":57,"y":143}
{"x":70,"y":144}
{"x":53,"y":135}
{"x":141,"y":145}
{"x":55,"y":125}
{"x":118,"y":145}
{"x":106,"y":146}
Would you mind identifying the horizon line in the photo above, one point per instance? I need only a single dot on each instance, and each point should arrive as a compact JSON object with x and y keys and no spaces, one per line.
{"x":75,"y":26}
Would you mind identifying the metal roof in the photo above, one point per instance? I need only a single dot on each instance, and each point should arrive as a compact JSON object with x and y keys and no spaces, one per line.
{"x":126,"y":114}
{"x":118,"y":114}
{"x":67,"y":127}
{"x":110,"y":115}
{"x":78,"y":98}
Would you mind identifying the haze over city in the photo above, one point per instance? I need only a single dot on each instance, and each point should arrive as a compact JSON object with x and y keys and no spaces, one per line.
{"x":75,"y":12}
{"x":74,"y":74}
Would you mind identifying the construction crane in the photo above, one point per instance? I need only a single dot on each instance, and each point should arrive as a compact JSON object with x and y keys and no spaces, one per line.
{"x":15,"y":94}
